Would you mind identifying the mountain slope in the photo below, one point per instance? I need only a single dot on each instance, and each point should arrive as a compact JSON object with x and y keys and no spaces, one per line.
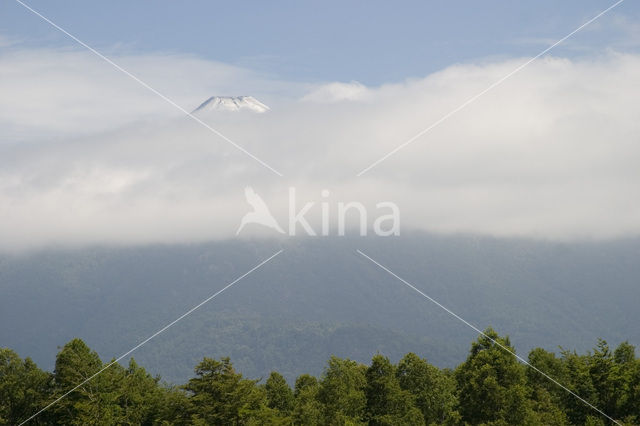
{"x":317,"y":298}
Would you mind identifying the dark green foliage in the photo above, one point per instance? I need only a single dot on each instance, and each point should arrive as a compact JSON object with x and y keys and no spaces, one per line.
{"x":491,"y":383}
{"x":490,"y":388}
{"x":342,"y":391}
{"x":279,"y":394}
{"x":23,"y":387}
{"x":93,"y":401}
{"x":546,"y":396}
{"x":307,"y":408}
{"x":220,"y":396}
{"x":117,"y":395}
{"x":387,"y":402}
{"x":434,"y":390}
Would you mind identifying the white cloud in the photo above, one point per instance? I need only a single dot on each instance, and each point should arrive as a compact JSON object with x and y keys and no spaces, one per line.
{"x":337,"y":92}
{"x":62,"y":93}
{"x":93,"y":158}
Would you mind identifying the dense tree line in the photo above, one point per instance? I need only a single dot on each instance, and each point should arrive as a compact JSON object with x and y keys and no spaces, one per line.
{"x":491,"y":387}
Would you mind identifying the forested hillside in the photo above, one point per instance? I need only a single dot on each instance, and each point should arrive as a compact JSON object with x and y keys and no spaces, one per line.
{"x":317,"y":299}
{"x":490,"y":387}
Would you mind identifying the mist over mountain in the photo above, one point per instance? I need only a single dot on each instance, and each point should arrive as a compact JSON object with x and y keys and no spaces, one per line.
{"x":318,"y":298}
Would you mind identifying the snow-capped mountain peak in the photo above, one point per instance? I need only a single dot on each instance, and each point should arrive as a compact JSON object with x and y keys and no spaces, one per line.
{"x":232,"y":103}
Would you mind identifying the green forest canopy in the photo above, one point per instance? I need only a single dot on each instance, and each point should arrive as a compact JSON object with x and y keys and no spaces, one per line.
{"x":491,"y":387}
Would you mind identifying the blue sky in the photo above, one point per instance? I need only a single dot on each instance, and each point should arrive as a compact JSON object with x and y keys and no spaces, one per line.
{"x":372,"y":42}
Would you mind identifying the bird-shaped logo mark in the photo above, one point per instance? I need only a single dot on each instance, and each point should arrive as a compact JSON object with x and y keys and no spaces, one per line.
{"x":260,"y":214}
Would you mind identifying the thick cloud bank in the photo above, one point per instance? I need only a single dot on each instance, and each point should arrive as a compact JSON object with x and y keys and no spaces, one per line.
{"x":89,"y":156}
